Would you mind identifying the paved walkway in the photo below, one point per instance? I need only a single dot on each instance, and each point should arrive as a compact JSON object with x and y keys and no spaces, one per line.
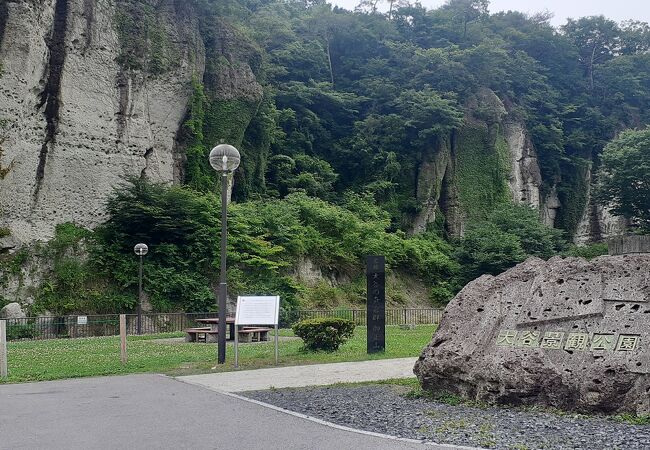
{"x":153,"y":411}
{"x":299,"y":376}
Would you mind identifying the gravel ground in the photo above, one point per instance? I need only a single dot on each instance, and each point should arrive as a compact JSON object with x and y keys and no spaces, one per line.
{"x":386,"y":409}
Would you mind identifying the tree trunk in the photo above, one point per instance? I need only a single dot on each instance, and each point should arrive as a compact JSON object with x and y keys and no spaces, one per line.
{"x":329,"y":59}
{"x":591,"y":69}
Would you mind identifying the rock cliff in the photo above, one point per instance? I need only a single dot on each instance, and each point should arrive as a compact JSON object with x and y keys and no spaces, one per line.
{"x":82,"y":110}
{"x":96,"y":91}
{"x":491,"y":159}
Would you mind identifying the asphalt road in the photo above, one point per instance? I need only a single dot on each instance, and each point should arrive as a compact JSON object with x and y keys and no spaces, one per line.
{"x":156,"y":412}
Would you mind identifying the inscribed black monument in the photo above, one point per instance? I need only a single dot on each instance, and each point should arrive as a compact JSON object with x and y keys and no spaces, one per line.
{"x":376,"y":305}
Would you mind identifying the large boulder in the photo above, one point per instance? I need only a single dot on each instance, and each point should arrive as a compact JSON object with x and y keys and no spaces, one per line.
{"x":12,"y":311}
{"x":566,"y":333}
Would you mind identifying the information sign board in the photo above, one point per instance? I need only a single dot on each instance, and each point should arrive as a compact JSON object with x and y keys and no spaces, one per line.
{"x":257,"y":310}
{"x":82,"y":320}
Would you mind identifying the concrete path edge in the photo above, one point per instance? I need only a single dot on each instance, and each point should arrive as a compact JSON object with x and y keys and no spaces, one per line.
{"x":324,"y":422}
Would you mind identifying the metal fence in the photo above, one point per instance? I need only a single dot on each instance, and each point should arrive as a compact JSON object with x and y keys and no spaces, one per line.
{"x":394,"y":316}
{"x":98,"y":325}
{"x":109,"y":324}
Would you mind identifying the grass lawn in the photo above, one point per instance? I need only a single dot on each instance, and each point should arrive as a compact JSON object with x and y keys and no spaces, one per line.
{"x":69,"y":358}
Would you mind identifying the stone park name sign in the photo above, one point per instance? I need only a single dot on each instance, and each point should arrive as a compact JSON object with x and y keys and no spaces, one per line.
{"x":554,"y":340}
{"x":567,"y":333}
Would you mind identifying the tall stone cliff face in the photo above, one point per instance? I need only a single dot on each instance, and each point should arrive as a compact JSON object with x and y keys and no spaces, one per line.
{"x":492,"y":159}
{"x":597,"y":223}
{"x":525,"y":178}
{"x":78,"y":121}
{"x":93,"y":92}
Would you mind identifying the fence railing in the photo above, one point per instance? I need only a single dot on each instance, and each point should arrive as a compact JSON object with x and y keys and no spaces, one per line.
{"x":109,"y":324}
{"x":99,"y":325}
{"x":394,"y":316}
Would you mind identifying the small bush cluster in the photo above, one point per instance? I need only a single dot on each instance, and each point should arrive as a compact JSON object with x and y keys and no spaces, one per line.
{"x":21,"y":331}
{"x":326,"y":333}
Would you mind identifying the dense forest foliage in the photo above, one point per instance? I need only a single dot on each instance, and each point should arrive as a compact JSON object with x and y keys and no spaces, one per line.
{"x":354,"y":105}
{"x":357,"y":101}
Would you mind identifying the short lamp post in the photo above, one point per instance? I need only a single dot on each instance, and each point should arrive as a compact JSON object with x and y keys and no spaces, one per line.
{"x":225,"y":159}
{"x":140,"y":250}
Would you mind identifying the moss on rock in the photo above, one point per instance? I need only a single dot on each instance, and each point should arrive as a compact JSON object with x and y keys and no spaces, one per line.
{"x":482,"y":165}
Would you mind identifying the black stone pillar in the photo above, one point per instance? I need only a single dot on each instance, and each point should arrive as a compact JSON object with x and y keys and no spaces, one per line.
{"x":376,"y":312}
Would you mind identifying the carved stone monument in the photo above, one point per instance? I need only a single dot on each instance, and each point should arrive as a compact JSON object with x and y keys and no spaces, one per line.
{"x":566,"y":333}
{"x":376,"y":305}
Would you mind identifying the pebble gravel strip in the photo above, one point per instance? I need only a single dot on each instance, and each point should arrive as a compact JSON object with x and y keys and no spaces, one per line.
{"x":387,"y":409}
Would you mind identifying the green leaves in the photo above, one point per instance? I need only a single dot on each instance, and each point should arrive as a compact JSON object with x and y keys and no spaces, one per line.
{"x":507,"y":237}
{"x":428,"y":113}
{"x":625,"y":177}
{"x":324,"y":333}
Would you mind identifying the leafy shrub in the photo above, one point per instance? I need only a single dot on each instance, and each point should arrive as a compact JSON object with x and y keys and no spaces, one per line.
{"x":21,"y":331}
{"x":590,"y":251}
{"x":507,"y":237}
{"x":487,"y":249}
{"x":326,"y":333}
{"x":440,"y":294}
{"x":535,"y":238}
{"x":322,"y":295}
{"x":265,"y":240}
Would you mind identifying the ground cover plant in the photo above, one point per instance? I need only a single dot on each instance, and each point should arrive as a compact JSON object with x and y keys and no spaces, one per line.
{"x":70,"y":358}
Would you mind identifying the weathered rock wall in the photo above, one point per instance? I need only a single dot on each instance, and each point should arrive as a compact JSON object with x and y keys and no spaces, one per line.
{"x":77,"y":123}
{"x":470,"y":161}
{"x":566,"y":333}
{"x":431,"y":174}
{"x":463,"y":173}
{"x":79,"y":120}
{"x":525,"y":178}
{"x":597,"y":223}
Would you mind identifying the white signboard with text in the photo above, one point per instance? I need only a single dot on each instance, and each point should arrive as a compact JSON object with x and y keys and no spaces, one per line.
{"x":257,"y":310}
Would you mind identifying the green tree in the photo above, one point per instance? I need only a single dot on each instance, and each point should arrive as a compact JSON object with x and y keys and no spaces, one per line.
{"x":536,"y":239}
{"x":598,"y":40}
{"x":509,"y":234}
{"x":486,"y":249}
{"x":467,"y":11}
{"x":625,"y":177}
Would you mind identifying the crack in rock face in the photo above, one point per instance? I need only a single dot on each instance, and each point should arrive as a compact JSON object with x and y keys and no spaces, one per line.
{"x":50,"y":97}
{"x":565,"y":333}
{"x":4,"y":14}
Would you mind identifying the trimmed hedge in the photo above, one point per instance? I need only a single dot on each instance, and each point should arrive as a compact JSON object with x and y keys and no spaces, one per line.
{"x":326,"y":333}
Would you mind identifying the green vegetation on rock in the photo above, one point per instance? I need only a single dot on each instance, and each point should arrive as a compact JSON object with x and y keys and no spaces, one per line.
{"x":144,"y":40}
{"x":266,"y":239}
{"x":340,"y":118}
{"x":482,"y":169}
{"x":625,"y":177}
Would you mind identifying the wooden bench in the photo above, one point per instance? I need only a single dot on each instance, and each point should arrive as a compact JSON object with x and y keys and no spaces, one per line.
{"x":201,"y":334}
{"x":254,"y":334}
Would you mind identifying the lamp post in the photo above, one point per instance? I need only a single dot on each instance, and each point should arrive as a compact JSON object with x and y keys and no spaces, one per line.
{"x":224,"y":158}
{"x":140,"y":250}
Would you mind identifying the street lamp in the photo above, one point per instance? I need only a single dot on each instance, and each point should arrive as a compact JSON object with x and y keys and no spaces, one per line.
{"x":140,"y":250}
{"x":224,"y":158}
